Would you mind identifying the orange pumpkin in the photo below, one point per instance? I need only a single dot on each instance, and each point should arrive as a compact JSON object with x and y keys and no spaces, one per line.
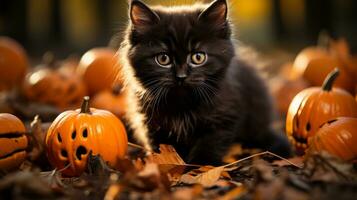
{"x":314,"y":106}
{"x":352,"y":65}
{"x":51,"y":87}
{"x":74,"y":134}
{"x":69,"y":66}
{"x":112,"y":100}
{"x":337,"y":137}
{"x":340,"y":48}
{"x":13,"y":63}
{"x":285,"y":88}
{"x":315,"y":63}
{"x":13,"y":142}
{"x":98,"y":68}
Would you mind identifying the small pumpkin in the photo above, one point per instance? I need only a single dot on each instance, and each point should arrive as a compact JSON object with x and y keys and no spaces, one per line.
{"x":340,"y":48}
{"x":49,"y":86}
{"x":314,"y":106}
{"x":352,"y":65}
{"x":284,"y":89}
{"x":76,"y":133}
{"x":13,"y":142}
{"x":13,"y":63}
{"x":112,"y":100}
{"x":69,"y":66}
{"x":98,"y":68}
{"x":315,"y":63}
{"x":337,"y":137}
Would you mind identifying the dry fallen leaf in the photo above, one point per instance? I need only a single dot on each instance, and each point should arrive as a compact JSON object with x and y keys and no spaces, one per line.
{"x":37,"y":138}
{"x":148,"y":179}
{"x":169,"y":162}
{"x":299,"y":161}
{"x":167,"y":156}
{"x":207,"y":179}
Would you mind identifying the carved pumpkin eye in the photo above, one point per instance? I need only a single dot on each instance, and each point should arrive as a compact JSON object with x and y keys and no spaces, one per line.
{"x":163,"y":60}
{"x":198,"y":59}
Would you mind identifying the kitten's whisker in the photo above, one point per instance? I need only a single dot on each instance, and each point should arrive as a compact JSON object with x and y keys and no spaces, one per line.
{"x":149,"y":96}
{"x":211,"y":89}
{"x":203,"y":95}
{"x":207,"y":91}
{"x":150,"y":83}
{"x":154,"y":98}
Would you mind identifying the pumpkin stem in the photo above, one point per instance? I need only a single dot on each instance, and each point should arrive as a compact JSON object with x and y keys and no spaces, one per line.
{"x":323,"y":40}
{"x":85,"y":105}
{"x":330,"y":79}
{"x":49,"y":59}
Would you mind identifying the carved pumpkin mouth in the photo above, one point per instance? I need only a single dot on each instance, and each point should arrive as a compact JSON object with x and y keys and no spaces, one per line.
{"x":299,"y":142}
{"x":299,"y":139}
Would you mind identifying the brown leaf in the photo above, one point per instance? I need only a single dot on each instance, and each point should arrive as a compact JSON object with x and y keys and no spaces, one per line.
{"x":299,"y":161}
{"x":149,"y":179}
{"x":207,"y":179}
{"x":97,"y":166}
{"x":169,"y":162}
{"x":167,"y":156}
{"x":37,"y":137}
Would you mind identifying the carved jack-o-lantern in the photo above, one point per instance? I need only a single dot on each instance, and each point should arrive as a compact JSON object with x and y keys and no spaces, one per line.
{"x":313,"y":107}
{"x":74,"y":134}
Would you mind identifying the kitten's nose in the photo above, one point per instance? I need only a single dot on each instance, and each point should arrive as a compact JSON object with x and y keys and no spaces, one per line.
{"x":181,"y":74}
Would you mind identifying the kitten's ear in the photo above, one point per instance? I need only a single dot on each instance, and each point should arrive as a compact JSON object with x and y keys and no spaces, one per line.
{"x":215,"y":13}
{"x":141,"y":14}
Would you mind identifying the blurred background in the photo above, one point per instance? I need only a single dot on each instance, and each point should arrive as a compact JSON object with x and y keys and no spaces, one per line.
{"x":74,"y":26}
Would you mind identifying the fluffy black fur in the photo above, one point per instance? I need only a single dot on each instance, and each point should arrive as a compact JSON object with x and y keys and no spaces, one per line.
{"x":201,"y":110}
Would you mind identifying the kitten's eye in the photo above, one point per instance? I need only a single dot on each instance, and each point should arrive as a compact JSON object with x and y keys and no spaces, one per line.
{"x":163,"y":60}
{"x":198,"y":58}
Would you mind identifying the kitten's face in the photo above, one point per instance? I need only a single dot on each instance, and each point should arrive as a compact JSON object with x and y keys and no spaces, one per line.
{"x":181,"y":53}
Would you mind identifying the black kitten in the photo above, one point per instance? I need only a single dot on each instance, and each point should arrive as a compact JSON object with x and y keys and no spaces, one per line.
{"x":188,"y":88}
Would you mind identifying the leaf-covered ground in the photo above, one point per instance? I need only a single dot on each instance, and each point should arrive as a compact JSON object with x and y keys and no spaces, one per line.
{"x":249,"y":174}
